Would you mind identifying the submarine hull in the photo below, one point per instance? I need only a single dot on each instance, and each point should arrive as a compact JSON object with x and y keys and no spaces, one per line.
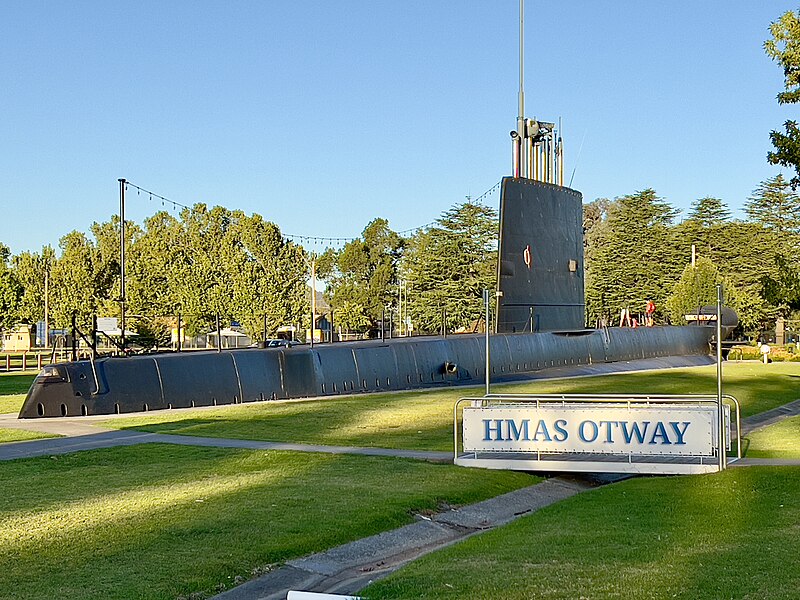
{"x":206,"y":378}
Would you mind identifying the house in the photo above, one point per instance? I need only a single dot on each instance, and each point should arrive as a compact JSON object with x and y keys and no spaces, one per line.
{"x":19,"y":339}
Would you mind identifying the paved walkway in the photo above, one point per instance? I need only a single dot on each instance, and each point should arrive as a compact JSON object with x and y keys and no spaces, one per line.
{"x":80,"y":435}
{"x":770,"y":417}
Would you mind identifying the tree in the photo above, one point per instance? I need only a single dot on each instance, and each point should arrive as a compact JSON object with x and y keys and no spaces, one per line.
{"x":775,"y":205}
{"x":696,"y":288}
{"x":784,"y":287}
{"x":269,"y":279}
{"x":448,"y":266}
{"x":75,"y":288}
{"x":10,"y":291}
{"x":709,"y":211}
{"x":634,"y":257}
{"x":31,"y":269}
{"x":784,"y":48}
{"x":364,"y":273}
{"x":352,"y":317}
{"x":217,"y":262}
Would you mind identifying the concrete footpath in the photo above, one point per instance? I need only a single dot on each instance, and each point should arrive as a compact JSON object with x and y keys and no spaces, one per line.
{"x":79,"y":434}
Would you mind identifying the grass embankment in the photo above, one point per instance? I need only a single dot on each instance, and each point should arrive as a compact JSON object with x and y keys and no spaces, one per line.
{"x":159,"y":521}
{"x":728,"y":535}
{"x":423,"y":420}
{"x":21,"y":435}
{"x":781,"y":440}
{"x":13,"y":388}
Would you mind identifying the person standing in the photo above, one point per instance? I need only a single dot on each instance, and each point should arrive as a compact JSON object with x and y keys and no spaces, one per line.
{"x":649,"y":311}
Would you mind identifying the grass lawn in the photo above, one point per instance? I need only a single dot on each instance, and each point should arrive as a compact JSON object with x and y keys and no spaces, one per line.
{"x":781,"y":440}
{"x":20,"y":435}
{"x":423,"y":420}
{"x":13,"y":388}
{"x":734,"y":534}
{"x":161,"y":521}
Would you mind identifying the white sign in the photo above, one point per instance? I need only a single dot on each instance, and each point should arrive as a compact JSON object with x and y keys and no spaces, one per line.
{"x":107,"y":324}
{"x":671,"y":429}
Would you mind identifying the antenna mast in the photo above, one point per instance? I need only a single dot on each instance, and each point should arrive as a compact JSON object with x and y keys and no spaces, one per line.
{"x":523,"y":158}
{"x":537,"y":151}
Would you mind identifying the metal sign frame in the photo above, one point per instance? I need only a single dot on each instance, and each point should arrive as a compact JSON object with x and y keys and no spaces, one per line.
{"x":629,"y":462}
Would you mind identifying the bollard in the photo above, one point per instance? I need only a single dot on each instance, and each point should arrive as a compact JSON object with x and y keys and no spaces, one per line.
{"x":765,"y":349}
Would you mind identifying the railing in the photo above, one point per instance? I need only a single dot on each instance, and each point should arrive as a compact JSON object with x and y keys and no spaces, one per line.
{"x":538,"y":460}
{"x":23,"y":361}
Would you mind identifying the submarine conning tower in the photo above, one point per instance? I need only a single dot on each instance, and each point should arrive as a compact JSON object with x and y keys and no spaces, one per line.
{"x":540,"y":253}
{"x":540,"y":258}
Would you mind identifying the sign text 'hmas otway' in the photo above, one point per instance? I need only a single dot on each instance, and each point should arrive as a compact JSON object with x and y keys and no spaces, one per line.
{"x":595,"y":428}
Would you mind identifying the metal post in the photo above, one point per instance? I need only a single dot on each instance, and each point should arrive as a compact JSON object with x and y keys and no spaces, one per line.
{"x":219,"y":335}
{"x":722,"y":450}
{"x":46,"y":305}
{"x":560,"y":155}
{"x":488,"y":360}
{"x":400,"y":308}
{"x":74,"y":340}
{"x":122,"y":183}
{"x":178,"y":346}
{"x":313,"y":296}
{"x":515,"y":141}
{"x":523,"y":159}
{"x":94,"y":337}
{"x":383,"y":323}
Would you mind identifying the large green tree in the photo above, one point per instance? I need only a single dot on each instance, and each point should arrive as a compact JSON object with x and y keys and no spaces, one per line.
{"x":362,"y":276}
{"x":776,"y":206}
{"x":213,"y":261}
{"x":32,"y":270}
{"x":79,"y":287}
{"x":633,"y":256}
{"x":784,"y":48}
{"x":448,"y":266}
{"x":11,"y":291}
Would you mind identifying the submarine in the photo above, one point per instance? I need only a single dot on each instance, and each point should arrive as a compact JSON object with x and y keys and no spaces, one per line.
{"x":538,"y":327}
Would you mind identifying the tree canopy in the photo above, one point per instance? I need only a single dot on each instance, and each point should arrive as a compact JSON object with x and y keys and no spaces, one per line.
{"x":448,"y":266}
{"x":784,"y":48}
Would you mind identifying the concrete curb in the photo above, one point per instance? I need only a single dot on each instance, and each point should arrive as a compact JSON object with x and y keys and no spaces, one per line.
{"x":348,"y":568}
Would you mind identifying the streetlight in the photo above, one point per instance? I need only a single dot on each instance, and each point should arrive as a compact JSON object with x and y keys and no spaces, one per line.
{"x":312,"y":264}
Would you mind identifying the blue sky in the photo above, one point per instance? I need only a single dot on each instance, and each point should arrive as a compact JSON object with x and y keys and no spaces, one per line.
{"x":323,"y":115}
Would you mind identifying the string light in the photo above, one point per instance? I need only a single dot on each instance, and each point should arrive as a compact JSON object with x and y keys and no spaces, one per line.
{"x":152,"y":195}
{"x":327,"y":241}
{"x":406,"y":232}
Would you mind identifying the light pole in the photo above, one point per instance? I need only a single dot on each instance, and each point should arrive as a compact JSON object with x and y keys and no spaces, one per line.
{"x":312,"y":264}
{"x":122,"y":183}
